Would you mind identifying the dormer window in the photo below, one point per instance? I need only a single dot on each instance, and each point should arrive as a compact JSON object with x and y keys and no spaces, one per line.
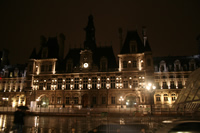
{"x":133,"y":47}
{"x":162,"y":66}
{"x":103,"y":64}
{"x":192,"y":65}
{"x":177,"y":65}
{"x":69,"y":65}
{"x":134,"y":63}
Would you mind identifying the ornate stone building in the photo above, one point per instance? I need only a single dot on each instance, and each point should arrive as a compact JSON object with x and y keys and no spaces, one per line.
{"x":91,"y":76}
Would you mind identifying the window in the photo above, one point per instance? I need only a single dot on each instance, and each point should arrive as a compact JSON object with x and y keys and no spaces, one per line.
{"x":76,"y":83}
{"x":165,"y":85}
{"x":162,"y":68}
{"x":134,"y":63}
{"x":103,"y":100}
{"x":58,"y":100}
{"x":124,"y":64}
{"x":67,"y":100}
{"x":180,"y":85}
{"x":68,"y":83}
{"x":173,"y":97}
{"x":165,"y":97}
{"x":112,"y":100}
{"x":94,"y":82}
{"x":172,"y":86}
{"x":75,"y":100}
{"x":112,"y":80}
{"x":41,"y":86}
{"x":85,"y":82}
{"x":125,"y":83}
{"x":135,"y":83}
{"x":158,"y":98}
{"x":103,"y":82}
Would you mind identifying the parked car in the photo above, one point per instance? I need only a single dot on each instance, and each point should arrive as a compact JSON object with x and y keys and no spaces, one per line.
{"x":180,"y":126}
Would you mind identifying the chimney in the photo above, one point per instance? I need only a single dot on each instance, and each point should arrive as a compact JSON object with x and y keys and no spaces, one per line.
{"x":61,"y":42}
{"x":144,"y":33}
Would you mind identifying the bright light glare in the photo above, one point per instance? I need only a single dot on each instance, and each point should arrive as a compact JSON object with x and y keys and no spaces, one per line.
{"x":149,"y":84}
{"x":148,"y":87}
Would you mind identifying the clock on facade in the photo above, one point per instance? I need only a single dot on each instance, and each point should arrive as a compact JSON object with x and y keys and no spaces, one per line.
{"x":85,"y":65}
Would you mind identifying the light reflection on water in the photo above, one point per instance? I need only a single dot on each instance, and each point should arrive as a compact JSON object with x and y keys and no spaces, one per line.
{"x":3,"y":119}
{"x":63,"y":124}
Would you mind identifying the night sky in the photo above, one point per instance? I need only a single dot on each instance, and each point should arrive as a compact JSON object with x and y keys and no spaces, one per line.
{"x":172,"y":25}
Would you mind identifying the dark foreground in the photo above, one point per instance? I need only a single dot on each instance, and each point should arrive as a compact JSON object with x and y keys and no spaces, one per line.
{"x":88,"y":124}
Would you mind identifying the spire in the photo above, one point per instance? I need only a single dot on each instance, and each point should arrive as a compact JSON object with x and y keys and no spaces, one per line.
{"x":90,"y":42}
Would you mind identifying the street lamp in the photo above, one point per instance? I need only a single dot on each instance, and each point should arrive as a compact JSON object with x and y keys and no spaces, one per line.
{"x":151,"y":88}
{"x":121,"y":99}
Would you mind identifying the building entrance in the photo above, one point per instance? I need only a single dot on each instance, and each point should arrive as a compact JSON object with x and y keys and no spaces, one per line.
{"x":44,"y":101}
{"x":131,"y":101}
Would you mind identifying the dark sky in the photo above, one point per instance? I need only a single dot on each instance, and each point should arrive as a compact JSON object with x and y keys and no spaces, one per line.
{"x":172,"y":25}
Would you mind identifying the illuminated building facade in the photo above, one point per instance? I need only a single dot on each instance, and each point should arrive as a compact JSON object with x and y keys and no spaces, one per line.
{"x":12,"y":85}
{"x":91,"y":76}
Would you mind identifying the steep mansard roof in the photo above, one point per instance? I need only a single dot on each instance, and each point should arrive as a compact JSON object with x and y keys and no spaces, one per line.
{"x":169,"y":60}
{"x":74,"y":54}
{"x":105,"y":52}
{"x":52,"y":47}
{"x":132,"y":36}
{"x":100,"y":52}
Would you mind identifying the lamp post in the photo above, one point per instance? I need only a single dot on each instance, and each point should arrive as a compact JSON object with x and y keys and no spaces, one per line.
{"x":121,"y":99}
{"x":151,"y":88}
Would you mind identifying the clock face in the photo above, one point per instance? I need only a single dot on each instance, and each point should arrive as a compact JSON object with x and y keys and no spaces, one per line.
{"x":85,"y":65}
